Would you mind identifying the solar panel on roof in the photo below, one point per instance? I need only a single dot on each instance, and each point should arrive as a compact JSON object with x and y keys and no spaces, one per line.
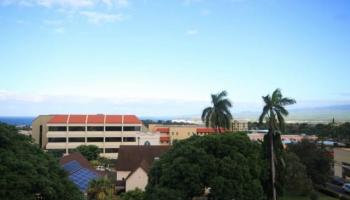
{"x":72,"y":166}
{"x":82,"y":178}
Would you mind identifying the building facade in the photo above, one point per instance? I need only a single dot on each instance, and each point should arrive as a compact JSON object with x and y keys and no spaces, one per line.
{"x":342,"y":162}
{"x":239,"y":126}
{"x":66,"y":132}
{"x":169,"y":133}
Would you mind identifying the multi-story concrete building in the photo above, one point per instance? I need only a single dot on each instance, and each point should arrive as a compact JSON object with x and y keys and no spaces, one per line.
{"x":239,"y":126}
{"x":342,"y":163}
{"x":108,"y":132}
{"x":169,"y":133}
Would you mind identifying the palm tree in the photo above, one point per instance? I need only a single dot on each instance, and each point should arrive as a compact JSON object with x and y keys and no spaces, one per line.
{"x":273,"y":113}
{"x":100,"y":189}
{"x":218,"y":116}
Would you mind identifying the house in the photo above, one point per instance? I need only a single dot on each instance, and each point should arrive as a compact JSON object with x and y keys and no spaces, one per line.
{"x":79,"y":170}
{"x":134,"y":164}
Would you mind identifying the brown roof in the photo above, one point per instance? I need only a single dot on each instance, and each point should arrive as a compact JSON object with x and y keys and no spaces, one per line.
{"x":132,"y":157}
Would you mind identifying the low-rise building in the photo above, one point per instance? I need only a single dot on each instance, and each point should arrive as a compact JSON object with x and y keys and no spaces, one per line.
{"x":342,"y":162}
{"x":66,"y":132}
{"x":169,"y":133}
{"x":239,"y":126}
{"x":134,"y":163}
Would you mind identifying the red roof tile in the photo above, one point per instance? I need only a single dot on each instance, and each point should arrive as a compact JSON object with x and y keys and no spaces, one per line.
{"x":77,"y":119}
{"x":58,"y":119}
{"x":131,"y":119}
{"x":113,"y":119}
{"x":163,"y":130}
{"x":164,"y":139}
{"x":96,"y":119}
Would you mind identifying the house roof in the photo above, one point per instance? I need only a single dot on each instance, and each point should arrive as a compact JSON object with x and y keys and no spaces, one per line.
{"x":132,"y":157}
{"x":80,"y":171}
{"x":79,"y":158}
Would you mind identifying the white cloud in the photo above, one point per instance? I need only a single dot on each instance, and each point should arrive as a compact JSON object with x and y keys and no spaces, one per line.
{"x":98,"y":17}
{"x":192,"y":32}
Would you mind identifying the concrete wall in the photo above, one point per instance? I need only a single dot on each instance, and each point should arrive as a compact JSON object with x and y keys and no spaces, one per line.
{"x":341,"y":157}
{"x":122,"y":174}
{"x":40,"y":121}
{"x":138,"y":179}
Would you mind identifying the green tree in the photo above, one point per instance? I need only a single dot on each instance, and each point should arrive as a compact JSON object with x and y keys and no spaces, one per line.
{"x":315,"y":158}
{"x":218,"y":115}
{"x":229,"y":164}
{"x":28,"y":173}
{"x":101,"y":189}
{"x":90,"y":152}
{"x":136,"y":194}
{"x":297,"y":181}
{"x":273,"y":113}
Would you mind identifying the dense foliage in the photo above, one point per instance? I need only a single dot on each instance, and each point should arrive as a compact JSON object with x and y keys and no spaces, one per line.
{"x":316,"y":159}
{"x":27,"y":172}
{"x":228,"y":164}
{"x":297,"y":181}
{"x":90,"y":152}
{"x":338,"y":132}
{"x":101,"y":189}
{"x":136,"y":194}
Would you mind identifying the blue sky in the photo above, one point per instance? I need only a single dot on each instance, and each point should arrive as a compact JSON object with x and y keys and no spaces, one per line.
{"x":164,"y":58}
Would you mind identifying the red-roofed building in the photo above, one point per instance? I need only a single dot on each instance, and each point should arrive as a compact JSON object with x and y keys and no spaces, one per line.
{"x":58,"y":119}
{"x":108,"y":132}
{"x":96,"y":119}
{"x":77,"y":119}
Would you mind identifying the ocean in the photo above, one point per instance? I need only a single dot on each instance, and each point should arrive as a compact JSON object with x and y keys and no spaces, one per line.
{"x":17,"y":121}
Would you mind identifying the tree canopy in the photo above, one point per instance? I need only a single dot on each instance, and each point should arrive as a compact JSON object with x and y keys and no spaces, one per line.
{"x":27,"y":172}
{"x":228,"y":164}
{"x":90,"y":152}
{"x":218,"y":115}
{"x":315,"y":158}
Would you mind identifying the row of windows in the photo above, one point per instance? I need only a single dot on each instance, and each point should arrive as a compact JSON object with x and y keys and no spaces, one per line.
{"x":94,"y":128}
{"x":107,"y":150}
{"x":92,"y":139}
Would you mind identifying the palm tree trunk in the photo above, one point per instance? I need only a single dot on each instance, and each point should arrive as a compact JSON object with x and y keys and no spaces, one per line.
{"x":273,"y":169}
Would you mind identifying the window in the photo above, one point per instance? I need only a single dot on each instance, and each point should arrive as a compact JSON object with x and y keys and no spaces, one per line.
{"x":113,"y":128}
{"x":57,"y":128}
{"x":41,"y":136}
{"x":58,"y":140}
{"x":112,"y":150}
{"x":129,"y":139}
{"x":95,"y":128}
{"x":79,"y":139}
{"x":132,"y":128}
{"x":95,"y":139}
{"x":76,"y":128}
{"x":113,"y":139}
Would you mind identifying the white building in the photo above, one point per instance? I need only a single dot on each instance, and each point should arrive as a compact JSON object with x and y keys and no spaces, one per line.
{"x":108,"y":132}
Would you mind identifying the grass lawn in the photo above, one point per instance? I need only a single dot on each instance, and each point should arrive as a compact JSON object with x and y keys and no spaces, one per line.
{"x":322,"y":197}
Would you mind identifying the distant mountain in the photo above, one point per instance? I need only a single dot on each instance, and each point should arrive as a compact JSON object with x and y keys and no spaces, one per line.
{"x":341,"y":113}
